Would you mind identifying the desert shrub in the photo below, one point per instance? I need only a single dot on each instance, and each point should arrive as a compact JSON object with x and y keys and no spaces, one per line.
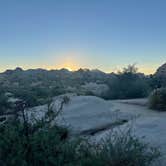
{"x":128,"y":84}
{"x":42,"y":147}
{"x":49,"y":147}
{"x":32,"y":96}
{"x":157,"y":99}
{"x":27,"y":95}
{"x":4,"y":104}
{"x":58,"y":90}
{"x":119,"y":149}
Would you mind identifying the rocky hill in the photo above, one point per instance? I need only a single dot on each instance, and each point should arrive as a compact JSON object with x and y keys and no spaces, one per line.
{"x":36,"y":86}
{"x":161,"y":71}
{"x":161,"y":74}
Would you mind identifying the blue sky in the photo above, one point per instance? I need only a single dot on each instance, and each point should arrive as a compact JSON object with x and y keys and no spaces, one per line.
{"x":104,"y":34}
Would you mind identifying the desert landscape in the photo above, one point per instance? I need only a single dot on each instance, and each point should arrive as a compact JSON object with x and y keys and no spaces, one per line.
{"x":92,"y":108}
{"x":82,"y":83}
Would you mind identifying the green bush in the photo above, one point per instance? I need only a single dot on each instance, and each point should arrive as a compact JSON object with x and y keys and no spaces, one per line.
{"x":120,"y":149}
{"x":128,"y":84}
{"x":42,"y":147}
{"x":157,"y":99}
{"x":50,"y":146}
{"x":4,"y":104}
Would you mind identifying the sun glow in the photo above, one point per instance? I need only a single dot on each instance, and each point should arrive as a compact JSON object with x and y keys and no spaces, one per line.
{"x":71,"y":66}
{"x":68,"y":68}
{"x":70,"y":61}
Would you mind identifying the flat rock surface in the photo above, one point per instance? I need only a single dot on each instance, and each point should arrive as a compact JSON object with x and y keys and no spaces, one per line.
{"x":85,"y":114}
{"x":147,"y":124}
{"x":94,"y":116}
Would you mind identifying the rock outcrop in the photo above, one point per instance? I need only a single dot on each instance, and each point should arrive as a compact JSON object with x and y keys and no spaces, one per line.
{"x":85,"y":115}
{"x":161,"y":74}
{"x":161,"y":71}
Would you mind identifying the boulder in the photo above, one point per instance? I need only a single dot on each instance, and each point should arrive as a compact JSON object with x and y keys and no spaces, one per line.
{"x":83,"y":114}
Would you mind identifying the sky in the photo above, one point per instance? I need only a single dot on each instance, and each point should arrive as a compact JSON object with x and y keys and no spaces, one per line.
{"x":103,"y":34}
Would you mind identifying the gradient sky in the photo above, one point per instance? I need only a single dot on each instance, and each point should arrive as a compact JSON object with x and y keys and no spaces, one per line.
{"x":104,"y":34}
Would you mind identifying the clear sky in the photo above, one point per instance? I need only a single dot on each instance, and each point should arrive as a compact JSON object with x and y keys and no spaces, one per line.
{"x":103,"y":34}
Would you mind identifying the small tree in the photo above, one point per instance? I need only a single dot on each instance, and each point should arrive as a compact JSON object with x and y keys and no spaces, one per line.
{"x":129,"y":69}
{"x":129,"y":84}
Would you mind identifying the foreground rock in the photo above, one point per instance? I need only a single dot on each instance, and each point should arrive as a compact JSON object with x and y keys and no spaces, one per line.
{"x":85,"y":115}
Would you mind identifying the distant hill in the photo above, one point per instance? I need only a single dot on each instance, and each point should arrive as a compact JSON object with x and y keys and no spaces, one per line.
{"x":31,"y":75}
{"x":37,"y":85}
{"x":52,"y":79}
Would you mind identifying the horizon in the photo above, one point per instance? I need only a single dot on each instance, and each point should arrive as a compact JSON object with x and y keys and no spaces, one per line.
{"x":74,"y":70}
{"x":73,"y":34}
{"x":117,"y":68}
{"x":145,"y":70}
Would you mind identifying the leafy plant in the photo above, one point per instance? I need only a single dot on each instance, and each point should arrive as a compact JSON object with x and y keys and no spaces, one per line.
{"x":48,"y":147}
{"x":157,"y":99}
{"x":128,"y":84}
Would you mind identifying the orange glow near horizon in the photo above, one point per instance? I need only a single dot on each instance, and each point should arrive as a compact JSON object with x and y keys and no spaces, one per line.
{"x":69,"y":61}
{"x":72,"y":66}
{"x":148,"y":69}
{"x":68,"y":66}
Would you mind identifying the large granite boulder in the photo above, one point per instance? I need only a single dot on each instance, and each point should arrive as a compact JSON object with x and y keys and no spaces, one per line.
{"x":83,"y":114}
{"x":161,"y":74}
